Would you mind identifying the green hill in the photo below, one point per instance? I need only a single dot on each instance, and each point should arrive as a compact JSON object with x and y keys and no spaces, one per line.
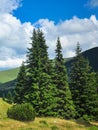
{"x":8,"y":75}
{"x":8,"y":80}
{"x":43,"y":123}
{"x":91,"y":55}
{"x":3,"y":109}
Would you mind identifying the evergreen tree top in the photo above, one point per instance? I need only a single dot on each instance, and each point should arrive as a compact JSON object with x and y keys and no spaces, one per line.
{"x":78,"y":49}
{"x":59,"y":56}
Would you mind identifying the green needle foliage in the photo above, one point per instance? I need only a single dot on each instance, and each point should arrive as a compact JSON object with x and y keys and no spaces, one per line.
{"x":22,"y":112}
{"x":39,"y":75}
{"x":20,"y":88}
{"x":83,"y":86}
{"x":65,"y":106}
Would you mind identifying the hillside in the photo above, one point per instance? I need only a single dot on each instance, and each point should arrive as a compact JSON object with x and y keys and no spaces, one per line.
{"x":91,"y":55}
{"x":7,"y":78}
{"x":48,"y":123}
{"x":3,"y":109}
{"x":8,"y":75}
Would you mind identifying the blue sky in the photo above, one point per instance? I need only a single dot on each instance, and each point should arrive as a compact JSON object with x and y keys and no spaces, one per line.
{"x":55,"y":10}
{"x":72,"y":20}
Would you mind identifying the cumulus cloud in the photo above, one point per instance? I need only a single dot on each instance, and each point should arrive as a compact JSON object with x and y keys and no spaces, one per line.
{"x":10,"y":63}
{"x":15,"y":36}
{"x":92,"y":3}
{"x":7,"y":6}
{"x":70,"y":32}
{"x":13,"y":33}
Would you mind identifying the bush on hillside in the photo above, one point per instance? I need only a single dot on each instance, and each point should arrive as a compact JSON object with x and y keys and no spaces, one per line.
{"x":22,"y":112}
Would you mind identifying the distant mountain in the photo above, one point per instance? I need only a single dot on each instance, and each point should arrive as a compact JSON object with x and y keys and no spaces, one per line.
{"x":8,"y":78}
{"x":6,"y":87}
{"x":91,"y":55}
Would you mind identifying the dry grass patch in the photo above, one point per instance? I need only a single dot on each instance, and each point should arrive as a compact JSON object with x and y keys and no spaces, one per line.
{"x":40,"y":124}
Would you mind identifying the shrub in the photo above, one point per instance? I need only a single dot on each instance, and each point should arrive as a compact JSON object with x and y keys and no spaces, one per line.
{"x":22,"y":112}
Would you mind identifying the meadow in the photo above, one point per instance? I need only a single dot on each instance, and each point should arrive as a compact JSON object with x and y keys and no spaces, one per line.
{"x":44,"y":123}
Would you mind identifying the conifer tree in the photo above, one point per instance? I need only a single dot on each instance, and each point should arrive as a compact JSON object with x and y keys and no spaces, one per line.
{"x":32,"y":95}
{"x":39,"y":79}
{"x":83,"y":86}
{"x":97,"y":80}
{"x":65,"y":106}
{"x":20,"y":88}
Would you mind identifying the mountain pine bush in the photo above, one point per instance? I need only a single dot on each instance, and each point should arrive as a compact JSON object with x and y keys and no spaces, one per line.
{"x":22,"y":112}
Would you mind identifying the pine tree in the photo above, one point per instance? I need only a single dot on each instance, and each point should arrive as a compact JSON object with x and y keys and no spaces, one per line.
{"x":89,"y":96}
{"x":97,"y":80}
{"x":65,"y":106}
{"x":39,"y":79}
{"x":83,"y":85}
{"x":47,"y":99}
{"x":20,"y":88}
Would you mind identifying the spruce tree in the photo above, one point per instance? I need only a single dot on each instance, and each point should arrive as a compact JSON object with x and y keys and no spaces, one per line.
{"x":90,"y":97}
{"x":20,"y":88}
{"x":39,"y":79}
{"x":64,"y":106}
{"x":33,"y":59}
{"x":83,"y":86}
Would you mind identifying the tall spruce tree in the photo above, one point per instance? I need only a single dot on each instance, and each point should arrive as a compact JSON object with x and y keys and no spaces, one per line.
{"x":83,"y":86}
{"x":20,"y":88}
{"x":39,"y":78}
{"x":65,"y":106}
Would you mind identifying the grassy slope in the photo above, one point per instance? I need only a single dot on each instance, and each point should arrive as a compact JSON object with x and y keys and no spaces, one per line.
{"x":3,"y":109}
{"x":8,"y":75}
{"x":39,"y":123}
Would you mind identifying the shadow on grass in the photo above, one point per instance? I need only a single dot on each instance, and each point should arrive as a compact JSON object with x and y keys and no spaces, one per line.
{"x":87,"y":124}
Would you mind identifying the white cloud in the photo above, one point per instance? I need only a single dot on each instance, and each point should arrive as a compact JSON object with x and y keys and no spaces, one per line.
{"x":15,"y":36}
{"x":92,"y":3}
{"x":13,"y":33}
{"x":7,"y":6}
{"x":14,"y":39}
{"x":70,"y":32}
{"x":11,"y":63}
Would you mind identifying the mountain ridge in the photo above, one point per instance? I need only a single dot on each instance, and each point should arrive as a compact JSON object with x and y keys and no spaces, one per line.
{"x":91,"y":55}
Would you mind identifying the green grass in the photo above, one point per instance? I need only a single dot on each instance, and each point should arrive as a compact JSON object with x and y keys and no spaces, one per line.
{"x":3,"y":109}
{"x":48,"y":123}
{"x":8,"y":75}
